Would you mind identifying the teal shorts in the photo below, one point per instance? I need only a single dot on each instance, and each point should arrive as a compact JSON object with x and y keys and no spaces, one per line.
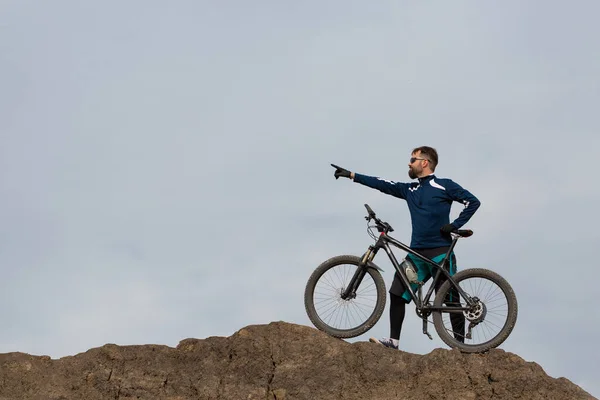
{"x":424,"y":270}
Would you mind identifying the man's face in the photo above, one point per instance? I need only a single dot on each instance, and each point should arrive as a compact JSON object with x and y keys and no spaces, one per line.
{"x":415,"y":168}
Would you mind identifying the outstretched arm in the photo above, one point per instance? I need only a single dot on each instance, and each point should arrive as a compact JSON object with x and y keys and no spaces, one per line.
{"x":396,"y":189}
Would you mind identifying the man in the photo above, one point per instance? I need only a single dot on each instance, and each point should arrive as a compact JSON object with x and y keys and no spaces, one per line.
{"x":429,"y":201}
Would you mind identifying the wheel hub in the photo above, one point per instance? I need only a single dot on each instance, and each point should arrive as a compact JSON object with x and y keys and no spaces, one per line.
{"x":350,"y":297}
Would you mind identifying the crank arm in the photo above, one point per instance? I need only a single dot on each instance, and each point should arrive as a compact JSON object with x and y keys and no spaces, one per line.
{"x":425,"y":329}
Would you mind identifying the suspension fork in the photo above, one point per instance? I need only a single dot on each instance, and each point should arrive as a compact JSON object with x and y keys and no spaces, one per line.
{"x":359,"y":274}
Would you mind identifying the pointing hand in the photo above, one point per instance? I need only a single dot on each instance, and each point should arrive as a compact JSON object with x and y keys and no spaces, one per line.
{"x":339,"y":171}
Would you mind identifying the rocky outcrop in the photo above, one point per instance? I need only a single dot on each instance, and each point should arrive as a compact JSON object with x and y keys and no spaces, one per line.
{"x":277,"y":361}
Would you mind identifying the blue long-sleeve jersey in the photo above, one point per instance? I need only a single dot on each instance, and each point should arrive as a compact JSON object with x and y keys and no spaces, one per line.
{"x":429,"y":201}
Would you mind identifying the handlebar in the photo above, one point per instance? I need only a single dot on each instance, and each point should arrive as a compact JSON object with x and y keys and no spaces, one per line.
{"x":381,"y":225}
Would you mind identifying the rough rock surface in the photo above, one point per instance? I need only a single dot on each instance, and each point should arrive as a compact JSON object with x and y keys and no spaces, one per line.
{"x":277,"y":361}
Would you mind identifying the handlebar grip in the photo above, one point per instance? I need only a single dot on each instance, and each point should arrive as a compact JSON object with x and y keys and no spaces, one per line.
{"x":370,"y":211}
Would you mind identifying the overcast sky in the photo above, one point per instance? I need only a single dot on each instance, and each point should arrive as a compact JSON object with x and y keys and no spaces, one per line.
{"x":164,"y":166}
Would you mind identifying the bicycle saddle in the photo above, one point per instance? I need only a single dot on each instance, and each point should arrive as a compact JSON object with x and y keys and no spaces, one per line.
{"x":464,"y":232}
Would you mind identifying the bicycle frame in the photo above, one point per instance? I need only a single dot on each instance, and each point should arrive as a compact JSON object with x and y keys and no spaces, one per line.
{"x":422,"y":304}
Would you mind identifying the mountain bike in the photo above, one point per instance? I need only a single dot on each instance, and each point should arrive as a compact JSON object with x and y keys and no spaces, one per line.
{"x":346,"y":295}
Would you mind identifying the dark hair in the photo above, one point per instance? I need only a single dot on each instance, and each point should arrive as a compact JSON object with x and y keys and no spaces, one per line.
{"x":430,"y":153}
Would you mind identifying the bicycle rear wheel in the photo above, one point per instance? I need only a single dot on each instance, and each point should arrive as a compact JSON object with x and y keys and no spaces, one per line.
{"x":488,"y":323}
{"x":332,"y":314}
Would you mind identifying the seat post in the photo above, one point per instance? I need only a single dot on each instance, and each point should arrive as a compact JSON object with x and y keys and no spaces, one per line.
{"x":451,"y":248}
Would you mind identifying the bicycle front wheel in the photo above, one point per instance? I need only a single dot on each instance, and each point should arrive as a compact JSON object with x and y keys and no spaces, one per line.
{"x":490,"y":320}
{"x":338,"y":317}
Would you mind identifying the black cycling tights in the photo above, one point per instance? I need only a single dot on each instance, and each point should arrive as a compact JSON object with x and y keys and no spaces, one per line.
{"x":398,"y":310}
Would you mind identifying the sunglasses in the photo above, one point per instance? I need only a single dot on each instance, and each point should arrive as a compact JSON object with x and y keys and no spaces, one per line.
{"x":413,"y":159}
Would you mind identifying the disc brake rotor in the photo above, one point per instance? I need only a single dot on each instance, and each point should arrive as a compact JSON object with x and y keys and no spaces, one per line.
{"x":477,"y":313}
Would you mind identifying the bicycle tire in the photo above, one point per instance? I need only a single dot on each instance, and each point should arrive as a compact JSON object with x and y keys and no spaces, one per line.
{"x":310,"y":305}
{"x":502,"y":335}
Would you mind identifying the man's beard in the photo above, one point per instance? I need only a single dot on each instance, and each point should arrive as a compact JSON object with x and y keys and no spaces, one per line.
{"x":411,"y":173}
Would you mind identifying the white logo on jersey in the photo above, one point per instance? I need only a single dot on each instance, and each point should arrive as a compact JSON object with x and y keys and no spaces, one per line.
{"x":436,"y":185}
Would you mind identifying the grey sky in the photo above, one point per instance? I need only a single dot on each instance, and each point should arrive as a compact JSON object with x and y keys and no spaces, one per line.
{"x":165,"y":171}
